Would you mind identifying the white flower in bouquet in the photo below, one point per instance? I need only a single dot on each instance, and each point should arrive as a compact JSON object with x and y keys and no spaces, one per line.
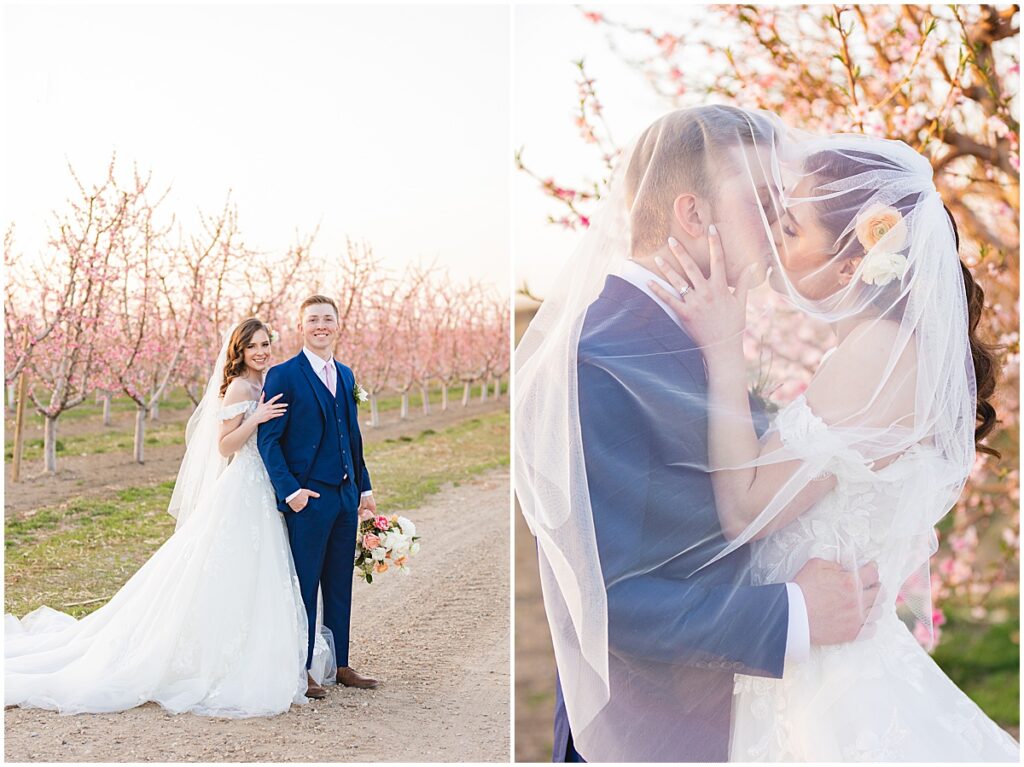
{"x":400,"y":546}
{"x":408,"y":528}
{"x":379,"y":553}
{"x":415,"y":548}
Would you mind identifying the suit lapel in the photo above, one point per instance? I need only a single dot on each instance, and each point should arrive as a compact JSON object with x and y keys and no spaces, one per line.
{"x":319,"y":390}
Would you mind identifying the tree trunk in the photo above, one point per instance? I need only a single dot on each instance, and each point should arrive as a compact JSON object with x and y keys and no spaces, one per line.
{"x":444,"y":395}
{"x":50,"y":445}
{"x":106,"y":408}
{"x":19,"y":427}
{"x":484,"y":385}
{"x":154,"y":411}
{"x":12,"y":399}
{"x":140,"y":434}
{"x":465,"y":394}
{"x":425,"y":396}
{"x":404,"y":411}
{"x":374,"y":412}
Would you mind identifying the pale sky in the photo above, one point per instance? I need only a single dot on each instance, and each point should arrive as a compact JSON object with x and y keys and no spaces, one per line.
{"x":547,"y":40}
{"x":388,"y":123}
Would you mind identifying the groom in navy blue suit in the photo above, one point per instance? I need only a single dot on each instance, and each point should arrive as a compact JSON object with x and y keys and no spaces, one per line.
{"x":642,"y":393}
{"x":314,"y":456}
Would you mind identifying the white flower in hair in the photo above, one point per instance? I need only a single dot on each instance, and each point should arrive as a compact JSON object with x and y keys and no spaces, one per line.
{"x":881,"y":268}
{"x":882,"y":232}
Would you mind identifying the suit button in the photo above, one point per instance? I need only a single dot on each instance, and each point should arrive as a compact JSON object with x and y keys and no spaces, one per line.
{"x":344,"y":477}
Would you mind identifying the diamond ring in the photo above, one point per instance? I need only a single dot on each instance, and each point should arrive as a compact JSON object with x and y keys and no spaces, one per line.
{"x":683,"y":291}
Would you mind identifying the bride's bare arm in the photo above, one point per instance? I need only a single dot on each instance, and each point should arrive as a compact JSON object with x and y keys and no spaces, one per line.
{"x":842,"y":394}
{"x":235,"y":432}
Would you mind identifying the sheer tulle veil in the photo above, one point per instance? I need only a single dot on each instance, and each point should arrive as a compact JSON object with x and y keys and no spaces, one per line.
{"x":202,"y":463}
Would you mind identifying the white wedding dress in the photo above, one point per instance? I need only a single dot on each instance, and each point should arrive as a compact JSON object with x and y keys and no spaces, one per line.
{"x":876,"y":699}
{"x":212,"y":624}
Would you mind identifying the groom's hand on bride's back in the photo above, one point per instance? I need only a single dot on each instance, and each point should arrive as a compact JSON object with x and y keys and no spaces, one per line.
{"x":839,"y":602}
{"x":298,"y":501}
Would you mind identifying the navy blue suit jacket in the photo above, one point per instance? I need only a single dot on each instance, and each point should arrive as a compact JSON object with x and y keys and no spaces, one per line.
{"x":290,"y":443}
{"x":642,"y":391}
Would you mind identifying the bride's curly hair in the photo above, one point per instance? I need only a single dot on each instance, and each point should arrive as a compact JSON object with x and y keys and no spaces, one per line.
{"x":240,"y":338}
{"x":834,"y":216}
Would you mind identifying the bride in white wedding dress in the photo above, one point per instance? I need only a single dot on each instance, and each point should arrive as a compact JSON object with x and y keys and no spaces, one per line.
{"x":213,"y":622}
{"x":862,"y":465}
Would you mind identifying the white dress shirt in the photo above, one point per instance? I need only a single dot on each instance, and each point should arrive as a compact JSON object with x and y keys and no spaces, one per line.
{"x":798,"y":633}
{"x":327,"y":372}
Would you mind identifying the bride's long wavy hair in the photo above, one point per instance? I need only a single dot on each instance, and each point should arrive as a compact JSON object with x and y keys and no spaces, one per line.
{"x":240,"y":338}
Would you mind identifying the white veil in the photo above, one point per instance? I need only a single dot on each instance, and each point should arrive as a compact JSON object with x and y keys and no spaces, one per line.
{"x":203,"y":462}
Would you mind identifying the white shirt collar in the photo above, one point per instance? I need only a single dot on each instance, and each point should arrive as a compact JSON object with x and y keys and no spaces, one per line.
{"x":315,"y":361}
{"x":638,"y":276}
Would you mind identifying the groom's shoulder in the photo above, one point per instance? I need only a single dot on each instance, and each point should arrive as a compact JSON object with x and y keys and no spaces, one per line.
{"x":282,"y":368}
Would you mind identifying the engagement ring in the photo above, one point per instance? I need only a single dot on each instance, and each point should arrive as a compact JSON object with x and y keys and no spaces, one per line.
{"x":683,"y":291}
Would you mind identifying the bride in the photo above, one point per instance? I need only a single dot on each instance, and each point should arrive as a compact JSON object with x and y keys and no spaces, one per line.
{"x":863,"y":464}
{"x":213,"y":622}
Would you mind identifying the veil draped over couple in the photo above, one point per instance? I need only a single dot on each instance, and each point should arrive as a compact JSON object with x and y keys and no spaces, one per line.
{"x":721,"y":584}
{"x":246,"y":608}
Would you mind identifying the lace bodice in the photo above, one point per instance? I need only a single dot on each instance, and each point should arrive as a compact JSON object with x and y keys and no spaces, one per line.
{"x":863,"y":518}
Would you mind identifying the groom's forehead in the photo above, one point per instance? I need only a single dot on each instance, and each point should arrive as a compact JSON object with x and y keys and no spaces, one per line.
{"x":316,"y":310}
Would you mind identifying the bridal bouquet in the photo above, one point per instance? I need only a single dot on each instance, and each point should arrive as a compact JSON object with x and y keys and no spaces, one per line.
{"x":384,"y":542}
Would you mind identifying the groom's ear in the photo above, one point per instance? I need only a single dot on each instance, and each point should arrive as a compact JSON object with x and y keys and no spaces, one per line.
{"x":687,"y":210}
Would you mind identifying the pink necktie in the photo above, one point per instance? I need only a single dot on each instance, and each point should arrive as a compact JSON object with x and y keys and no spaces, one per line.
{"x":329,"y":379}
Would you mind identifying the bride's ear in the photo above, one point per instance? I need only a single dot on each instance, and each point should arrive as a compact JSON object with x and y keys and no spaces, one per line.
{"x":848,"y":269}
{"x":688,"y":214}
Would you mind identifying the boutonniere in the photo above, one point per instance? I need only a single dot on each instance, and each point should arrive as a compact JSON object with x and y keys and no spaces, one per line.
{"x":360,"y":394}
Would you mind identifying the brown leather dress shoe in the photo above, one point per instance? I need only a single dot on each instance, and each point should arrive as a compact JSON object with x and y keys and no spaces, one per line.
{"x":313,"y":690}
{"x":350,"y":678}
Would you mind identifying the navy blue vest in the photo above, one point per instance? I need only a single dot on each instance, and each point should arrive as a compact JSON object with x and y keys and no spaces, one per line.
{"x":332,"y":463}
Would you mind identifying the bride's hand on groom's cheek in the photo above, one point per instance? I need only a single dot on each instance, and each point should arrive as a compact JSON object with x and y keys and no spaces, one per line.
{"x":711,"y":312}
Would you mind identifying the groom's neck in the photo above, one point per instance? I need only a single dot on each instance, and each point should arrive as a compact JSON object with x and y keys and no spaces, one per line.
{"x":325,"y":356}
{"x":647,"y":261}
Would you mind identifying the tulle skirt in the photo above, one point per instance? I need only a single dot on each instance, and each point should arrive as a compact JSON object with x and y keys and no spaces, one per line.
{"x":881,"y":699}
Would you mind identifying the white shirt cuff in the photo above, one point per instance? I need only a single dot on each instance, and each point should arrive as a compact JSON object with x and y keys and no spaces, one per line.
{"x":368,"y":492}
{"x":289,"y":498}
{"x":798,"y":635}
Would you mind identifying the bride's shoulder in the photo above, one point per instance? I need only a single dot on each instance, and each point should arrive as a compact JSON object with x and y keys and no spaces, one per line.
{"x":239,"y":390}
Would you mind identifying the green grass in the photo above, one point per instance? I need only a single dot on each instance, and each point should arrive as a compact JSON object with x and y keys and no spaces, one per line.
{"x":157,"y":433}
{"x":86,"y":548}
{"x":983,"y":658}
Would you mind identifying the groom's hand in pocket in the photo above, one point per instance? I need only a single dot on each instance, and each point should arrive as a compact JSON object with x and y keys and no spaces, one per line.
{"x":839,"y":602}
{"x":301,"y":498}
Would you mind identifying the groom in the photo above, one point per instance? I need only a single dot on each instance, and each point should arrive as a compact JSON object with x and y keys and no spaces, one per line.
{"x":642,"y":393}
{"x":314,"y":456}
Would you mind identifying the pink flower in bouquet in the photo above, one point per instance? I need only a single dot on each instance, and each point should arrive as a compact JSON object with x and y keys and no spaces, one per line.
{"x":381,"y":523}
{"x":365,"y":514}
{"x":370,"y":541}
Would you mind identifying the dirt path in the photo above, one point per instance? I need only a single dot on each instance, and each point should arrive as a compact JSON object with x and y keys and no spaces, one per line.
{"x":95,"y":475}
{"x":441,"y":649}
{"x":535,"y":659}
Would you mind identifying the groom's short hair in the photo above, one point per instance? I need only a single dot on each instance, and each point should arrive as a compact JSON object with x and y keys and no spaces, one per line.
{"x":318,"y":299}
{"x":679,"y":153}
